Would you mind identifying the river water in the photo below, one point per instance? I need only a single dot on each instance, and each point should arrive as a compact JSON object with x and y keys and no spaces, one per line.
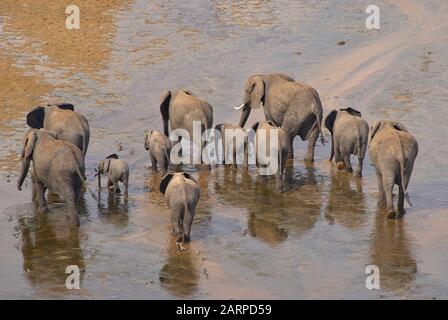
{"x":315,"y":239}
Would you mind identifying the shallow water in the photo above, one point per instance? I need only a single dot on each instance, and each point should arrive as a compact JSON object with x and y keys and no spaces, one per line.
{"x":315,"y":239}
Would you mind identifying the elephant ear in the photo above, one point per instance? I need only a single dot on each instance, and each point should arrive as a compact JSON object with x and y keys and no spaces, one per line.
{"x":164,"y":110}
{"x":29,"y":144}
{"x":66,"y":106}
{"x":330,"y":119}
{"x":399,"y":126}
{"x":285,"y":77}
{"x":352,"y":111}
{"x":35,"y":118}
{"x":188,"y":176}
{"x":255,"y":86}
{"x":373,"y":130}
{"x":164,"y":183}
{"x":112,"y":156}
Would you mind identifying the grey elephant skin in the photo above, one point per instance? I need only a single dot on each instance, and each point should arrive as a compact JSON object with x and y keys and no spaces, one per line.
{"x":181,"y":108}
{"x":294,"y":106}
{"x":232,"y":147}
{"x":117,"y":170}
{"x":393,"y":151}
{"x":263,"y":141}
{"x":57,"y":165}
{"x":159,"y":147}
{"x":182,"y":195}
{"x":62,"y":119}
{"x":349,"y":135}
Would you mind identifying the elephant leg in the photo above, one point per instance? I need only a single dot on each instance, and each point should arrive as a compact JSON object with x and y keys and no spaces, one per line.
{"x":291,"y":147}
{"x":187,"y":223}
{"x":153,"y":162}
{"x":388,"y":185}
{"x":381,"y":194}
{"x":358,"y":172}
{"x":116,"y":187}
{"x":175,"y":222}
{"x":69,"y":196}
{"x":40,"y":196}
{"x":314,"y":134}
{"x":110,"y":184}
{"x":126,"y":186}
{"x":400,"y":203}
{"x":348,"y":165}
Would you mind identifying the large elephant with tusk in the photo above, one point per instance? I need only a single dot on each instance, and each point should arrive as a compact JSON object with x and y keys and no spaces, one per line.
{"x":294,"y":106}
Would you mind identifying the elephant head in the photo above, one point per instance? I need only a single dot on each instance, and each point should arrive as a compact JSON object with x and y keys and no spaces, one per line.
{"x":103,"y":167}
{"x":377,"y":125}
{"x":36,"y":117}
{"x":29,"y":143}
{"x":331,"y":118}
{"x":254,"y":93}
{"x":167,"y":178}
{"x":147,"y":137}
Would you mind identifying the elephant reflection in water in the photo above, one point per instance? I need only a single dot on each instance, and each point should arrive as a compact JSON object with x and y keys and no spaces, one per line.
{"x":180,"y":274}
{"x":271,"y":215}
{"x":391,"y":250}
{"x":49,"y":245}
{"x":116,"y":211}
{"x":345,"y":204}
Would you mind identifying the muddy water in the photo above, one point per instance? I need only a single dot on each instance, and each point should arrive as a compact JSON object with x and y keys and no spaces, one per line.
{"x":315,"y":239}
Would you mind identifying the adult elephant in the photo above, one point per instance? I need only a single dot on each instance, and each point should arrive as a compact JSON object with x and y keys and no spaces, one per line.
{"x":294,"y":106}
{"x":62,"y":119}
{"x":182,"y":108}
{"x":57,"y":165}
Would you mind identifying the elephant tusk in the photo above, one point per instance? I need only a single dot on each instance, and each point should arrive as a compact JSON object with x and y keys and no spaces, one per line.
{"x":238,"y":108}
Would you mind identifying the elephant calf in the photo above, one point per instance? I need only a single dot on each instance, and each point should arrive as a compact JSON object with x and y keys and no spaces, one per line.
{"x":234,"y":144}
{"x":182,"y":195}
{"x":264,"y":148}
{"x":349,"y":135}
{"x":159,"y":147}
{"x":393,"y":151}
{"x":117,"y":171}
{"x":58,"y":165}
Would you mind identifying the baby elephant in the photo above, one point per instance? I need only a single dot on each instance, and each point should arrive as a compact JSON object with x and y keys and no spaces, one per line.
{"x":234,"y":144}
{"x":263,"y":148}
{"x":349,"y":135}
{"x":182,"y":195}
{"x":159,"y":146}
{"x":117,"y":171}
{"x":393,"y":151}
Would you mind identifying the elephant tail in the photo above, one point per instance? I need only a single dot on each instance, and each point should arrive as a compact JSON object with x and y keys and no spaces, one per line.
{"x":317,"y":110}
{"x":402,"y":162}
{"x":86,"y":185}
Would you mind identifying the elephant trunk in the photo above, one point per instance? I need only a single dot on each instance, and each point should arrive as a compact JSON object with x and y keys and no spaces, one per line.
{"x":25,"y":167}
{"x":244,"y":115}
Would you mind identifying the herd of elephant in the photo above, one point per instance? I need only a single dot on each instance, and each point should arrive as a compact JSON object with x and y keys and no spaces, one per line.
{"x":58,"y":139}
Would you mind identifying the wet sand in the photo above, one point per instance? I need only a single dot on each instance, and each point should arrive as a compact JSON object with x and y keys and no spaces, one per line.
{"x":312,"y":241}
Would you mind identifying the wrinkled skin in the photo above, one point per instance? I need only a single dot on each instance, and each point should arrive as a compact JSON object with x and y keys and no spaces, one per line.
{"x":182,"y":195}
{"x":68,"y":125}
{"x":232,"y":146}
{"x":349,"y":135}
{"x":288,"y":104}
{"x":57,"y":165}
{"x":159,"y":147}
{"x":264,"y":141}
{"x":393,"y":151}
{"x":117,"y":171}
{"x":181,"y":108}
